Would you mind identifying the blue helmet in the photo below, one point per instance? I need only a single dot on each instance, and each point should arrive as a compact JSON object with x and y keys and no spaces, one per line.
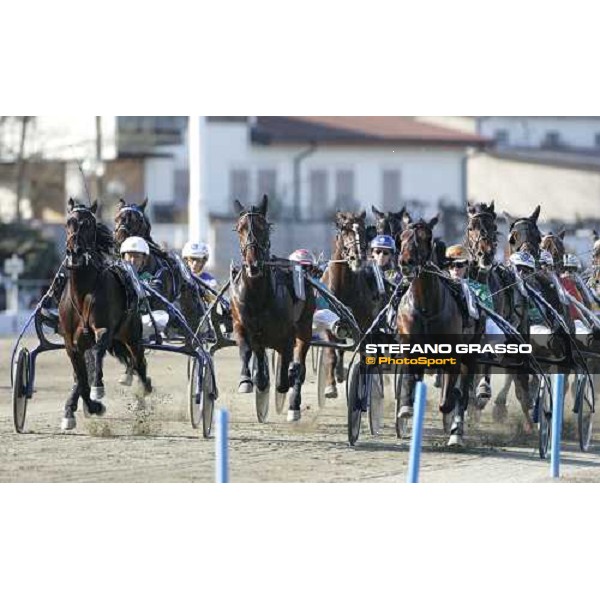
{"x":384,"y":241}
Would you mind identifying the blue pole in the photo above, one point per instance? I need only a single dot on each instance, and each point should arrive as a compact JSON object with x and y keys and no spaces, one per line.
{"x":222,"y":459}
{"x":557,"y":413}
{"x":414,"y":457}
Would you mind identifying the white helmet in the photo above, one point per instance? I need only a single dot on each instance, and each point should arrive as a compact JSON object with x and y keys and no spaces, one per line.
{"x":303,"y":256}
{"x":196,"y":250}
{"x":571,"y":261}
{"x":522,"y":259}
{"x":135,"y":244}
{"x":596,"y":246}
{"x":546,"y":258}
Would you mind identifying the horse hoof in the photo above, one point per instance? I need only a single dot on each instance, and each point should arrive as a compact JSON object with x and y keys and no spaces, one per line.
{"x":293,"y":415}
{"x":405,"y":412}
{"x":126,"y":379}
{"x":97,"y":392}
{"x":245,"y":387}
{"x":456,"y":440}
{"x":148,"y":386}
{"x":331,"y":391}
{"x":97,"y":409}
{"x":68,"y":423}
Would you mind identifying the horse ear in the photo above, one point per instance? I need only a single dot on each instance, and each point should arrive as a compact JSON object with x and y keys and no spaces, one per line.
{"x":407,"y":218}
{"x":142,"y":206}
{"x":535,"y":214}
{"x":470,"y":207}
{"x":376,"y":212}
{"x":561,"y":235}
{"x":595,"y":235}
{"x":94,"y":207}
{"x":122,"y":203}
{"x":71,"y":204}
{"x":239,"y":207}
{"x":363,"y":215}
{"x":264,"y":205}
{"x":511,"y":220}
{"x":492,"y":207}
{"x":434,"y":221}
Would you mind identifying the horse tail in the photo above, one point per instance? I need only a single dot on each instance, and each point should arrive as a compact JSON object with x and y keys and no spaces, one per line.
{"x":120,"y":352}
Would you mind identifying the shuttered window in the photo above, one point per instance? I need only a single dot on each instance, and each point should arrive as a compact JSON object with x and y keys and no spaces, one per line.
{"x":391,"y":190}
{"x":318,"y":194}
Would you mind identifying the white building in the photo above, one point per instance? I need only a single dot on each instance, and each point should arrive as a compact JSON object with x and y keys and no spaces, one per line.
{"x":551,"y":161}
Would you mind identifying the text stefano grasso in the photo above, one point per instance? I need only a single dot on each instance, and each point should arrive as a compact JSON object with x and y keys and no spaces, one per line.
{"x":448,"y":348}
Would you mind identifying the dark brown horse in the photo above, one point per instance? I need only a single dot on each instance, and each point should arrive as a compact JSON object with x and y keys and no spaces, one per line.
{"x":390,"y":223}
{"x":507,"y":299}
{"x":266,"y":313}
{"x":350,"y":278}
{"x":93,"y":313}
{"x":429,"y":312}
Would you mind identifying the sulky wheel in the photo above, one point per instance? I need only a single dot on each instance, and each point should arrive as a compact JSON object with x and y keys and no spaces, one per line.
{"x":584,"y":401}
{"x":279,"y":397}
{"x":402,"y":425}
{"x":261,"y":396}
{"x":208,"y":403}
{"x":20,"y":384}
{"x":201,"y":398}
{"x":544,"y":415}
{"x":314,"y":358}
{"x":376,"y":404}
{"x":359,"y":391}
{"x":321,"y":378}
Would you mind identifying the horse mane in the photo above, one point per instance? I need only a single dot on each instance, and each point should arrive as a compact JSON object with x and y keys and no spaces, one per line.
{"x":105,"y":242}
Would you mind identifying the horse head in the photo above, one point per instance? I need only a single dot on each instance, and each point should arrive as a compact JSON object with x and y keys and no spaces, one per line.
{"x":389,"y":223}
{"x":81,"y":230}
{"x":482,"y":233}
{"x":525,"y":235}
{"x":130,"y":220}
{"x":253,"y":231}
{"x":416,"y":244}
{"x":351,"y":238}
{"x":554,"y":243}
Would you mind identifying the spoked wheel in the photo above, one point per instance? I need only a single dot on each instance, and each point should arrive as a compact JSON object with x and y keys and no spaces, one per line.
{"x":321,"y":379}
{"x":402,"y":425}
{"x":201,"y":398}
{"x":314,"y":358}
{"x":585,"y":413}
{"x":279,"y":397}
{"x":544,"y":415}
{"x":359,"y":390}
{"x":376,"y":404}
{"x":261,"y":397}
{"x":20,"y":382}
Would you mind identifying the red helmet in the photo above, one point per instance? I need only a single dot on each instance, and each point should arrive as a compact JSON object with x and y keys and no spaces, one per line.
{"x":303,"y":256}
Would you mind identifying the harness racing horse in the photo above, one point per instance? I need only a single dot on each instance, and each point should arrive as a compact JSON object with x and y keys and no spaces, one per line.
{"x":389,"y":223}
{"x":93,"y":313}
{"x":266,"y":313}
{"x":495,"y":279}
{"x":429,"y":310}
{"x":351,"y":279}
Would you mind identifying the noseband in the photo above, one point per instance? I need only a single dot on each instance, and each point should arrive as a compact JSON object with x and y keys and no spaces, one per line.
{"x":524,"y":231}
{"x":483,"y":233}
{"x":357,"y":243}
{"x":251,"y":237}
{"x":74,"y":242}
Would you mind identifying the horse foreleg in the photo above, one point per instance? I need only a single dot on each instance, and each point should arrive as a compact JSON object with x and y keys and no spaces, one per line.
{"x":522,"y":390}
{"x":261,"y":378}
{"x":330,"y":358}
{"x":139,"y":364}
{"x":245,"y":386}
{"x":298,"y":370}
{"x":99,"y":351}
{"x":283,"y":380}
{"x":499,"y":412}
{"x":460,"y":405}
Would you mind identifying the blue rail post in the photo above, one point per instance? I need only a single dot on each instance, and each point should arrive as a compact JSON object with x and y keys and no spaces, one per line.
{"x":414,"y":457}
{"x":557,"y":414}
{"x":222,"y":458}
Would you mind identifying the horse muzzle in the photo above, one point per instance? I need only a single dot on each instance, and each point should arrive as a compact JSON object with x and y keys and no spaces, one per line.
{"x":253,"y":270}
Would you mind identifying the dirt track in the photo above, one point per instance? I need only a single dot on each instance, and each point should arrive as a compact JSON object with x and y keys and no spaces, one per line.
{"x":161,"y":446}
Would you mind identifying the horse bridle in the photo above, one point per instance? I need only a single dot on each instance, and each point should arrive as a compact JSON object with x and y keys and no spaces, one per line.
{"x":126,"y":209}
{"x":251,"y":237}
{"x":484,"y":234}
{"x":357,"y":243}
{"x":75,"y":235}
{"x":411,"y":238}
{"x":531,"y":231}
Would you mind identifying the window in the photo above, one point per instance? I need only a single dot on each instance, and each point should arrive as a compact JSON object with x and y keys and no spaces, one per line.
{"x":344,"y":188}
{"x":597,"y":140}
{"x":552,"y":139}
{"x":501,"y":137}
{"x":318,"y":194}
{"x":391,"y":190}
{"x":182,"y":185}
{"x":239,"y":185}
{"x":267,"y":183}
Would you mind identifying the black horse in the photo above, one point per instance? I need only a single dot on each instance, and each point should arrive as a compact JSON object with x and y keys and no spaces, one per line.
{"x":94,"y":313}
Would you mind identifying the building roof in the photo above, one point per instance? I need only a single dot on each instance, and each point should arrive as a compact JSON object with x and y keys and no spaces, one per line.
{"x":588,"y":160}
{"x":359,"y":130}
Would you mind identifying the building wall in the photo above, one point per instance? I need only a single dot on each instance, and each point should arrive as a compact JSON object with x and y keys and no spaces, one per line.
{"x":518,"y":187}
{"x":427,"y":174}
{"x":577,"y":132}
